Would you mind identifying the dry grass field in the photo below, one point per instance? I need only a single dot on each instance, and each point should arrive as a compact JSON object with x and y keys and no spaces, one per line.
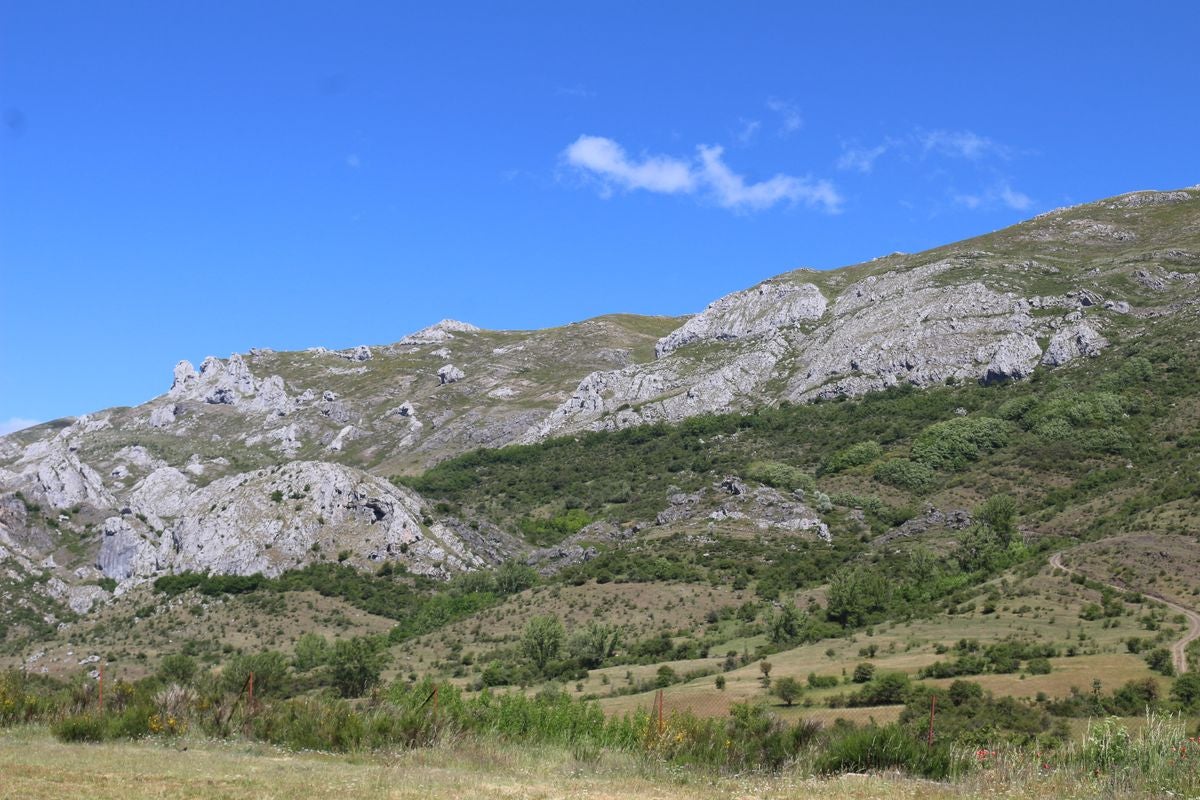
{"x":33,"y":766}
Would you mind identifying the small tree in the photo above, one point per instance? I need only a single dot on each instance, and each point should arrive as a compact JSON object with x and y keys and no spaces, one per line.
{"x":312,"y":651}
{"x":864,"y":672}
{"x":542,"y":641}
{"x":355,"y":664}
{"x":593,"y":644}
{"x":787,"y":689}
{"x":765,"y":668}
{"x":177,"y":668}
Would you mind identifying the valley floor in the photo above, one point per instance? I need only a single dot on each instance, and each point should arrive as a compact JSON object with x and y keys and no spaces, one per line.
{"x":33,"y":766}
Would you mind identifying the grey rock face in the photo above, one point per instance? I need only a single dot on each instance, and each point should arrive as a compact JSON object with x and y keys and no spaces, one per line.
{"x":762,"y":308}
{"x":235,"y":525}
{"x":439,"y":332}
{"x":1072,"y":342}
{"x":1013,"y":357}
{"x":450,"y":374}
{"x":124,"y":552}
{"x":360,"y":353}
{"x":163,"y":416}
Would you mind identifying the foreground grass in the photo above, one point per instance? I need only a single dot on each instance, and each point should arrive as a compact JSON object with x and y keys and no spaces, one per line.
{"x":34,"y":766}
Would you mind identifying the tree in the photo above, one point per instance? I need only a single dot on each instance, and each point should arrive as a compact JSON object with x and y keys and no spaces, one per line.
{"x":593,"y":644}
{"x":355,"y":664}
{"x":312,"y":651}
{"x":270,"y":672}
{"x":785,"y":625}
{"x":177,"y":668}
{"x":999,"y":516}
{"x":864,"y":672}
{"x":542,"y":641}
{"x":765,"y":668}
{"x":1187,"y":690}
{"x":787,"y":689}
{"x":512,"y":577}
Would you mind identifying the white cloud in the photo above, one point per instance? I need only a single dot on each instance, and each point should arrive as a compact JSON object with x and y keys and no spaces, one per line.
{"x":708,"y":175}
{"x":353,"y":161}
{"x":747,"y":131}
{"x":1018,"y":201}
{"x":14,"y":424}
{"x":998,"y":194}
{"x":960,"y":144}
{"x":861,"y":159}
{"x":608,"y":160}
{"x":790,"y":119}
{"x":731,"y":190}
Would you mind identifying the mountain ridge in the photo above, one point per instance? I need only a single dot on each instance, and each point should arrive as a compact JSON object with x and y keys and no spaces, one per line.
{"x":270,"y":460}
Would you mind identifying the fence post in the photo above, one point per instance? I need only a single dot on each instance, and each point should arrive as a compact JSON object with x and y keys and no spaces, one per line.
{"x":250,"y":697}
{"x":101,"y":687}
{"x":659,"y":703}
{"x":435,"y":708}
{"x":932,"y":711}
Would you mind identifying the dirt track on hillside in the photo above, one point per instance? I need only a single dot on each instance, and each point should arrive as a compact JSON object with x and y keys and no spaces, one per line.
{"x":1179,"y":648}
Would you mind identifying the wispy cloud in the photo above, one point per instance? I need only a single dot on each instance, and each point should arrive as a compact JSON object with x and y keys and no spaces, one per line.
{"x":353,"y":161}
{"x":747,"y":130}
{"x":999,"y":193}
{"x":790,"y":120}
{"x":731,"y":190}
{"x":707,"y":175}
{"x":14,"y":424}
{"x":861,"y":159}
{"x":960,"y":144}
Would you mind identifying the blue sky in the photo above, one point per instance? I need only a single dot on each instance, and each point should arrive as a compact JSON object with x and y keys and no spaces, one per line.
{"x":183,"y":179}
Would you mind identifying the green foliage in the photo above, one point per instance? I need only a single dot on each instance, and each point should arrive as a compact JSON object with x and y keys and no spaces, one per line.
{"x":952,"y":444}
{"x":780,"y":475}
{"x":889,"y":747}
{"x":787,"y":689}
{"x":853,"y":456}
{"x":355,"y":664}
{"x":177,"y":668}
{"x":542,"y":640}
{"x":905,"y":474}
{"x":270,"y":673}
{"x":591,"y":645}
{"x":311,"y":651}
{"x":546,"y":532}
{"x":1186,"y":691}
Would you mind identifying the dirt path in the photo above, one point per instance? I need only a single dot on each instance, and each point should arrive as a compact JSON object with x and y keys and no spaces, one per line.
{"x":1179,"y":648}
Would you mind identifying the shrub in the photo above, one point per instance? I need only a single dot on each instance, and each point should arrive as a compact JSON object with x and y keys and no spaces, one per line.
{"x":853,"y":456}
{"x":888,"y":747}
{"x":787,"y":689}
{"x":80,"y":728}
{"x":781,"y":476}
{"x":949,"y":445}
{"x":905,"y":474}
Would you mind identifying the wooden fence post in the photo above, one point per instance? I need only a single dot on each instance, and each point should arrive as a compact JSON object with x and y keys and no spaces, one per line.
{"x":101,"y":685}
{"x":932,"y":711}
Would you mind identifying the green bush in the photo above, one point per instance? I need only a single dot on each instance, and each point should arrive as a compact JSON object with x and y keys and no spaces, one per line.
{"x":950,"y":445}
{"x":853,"y":456}
{"x":780,"y":475}
{"x":905,"y":474}
{"x":888,"y":747}
{"x":80,"y":728}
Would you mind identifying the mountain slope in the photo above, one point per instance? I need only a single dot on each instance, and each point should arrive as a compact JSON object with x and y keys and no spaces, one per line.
{"x":270,"y":461}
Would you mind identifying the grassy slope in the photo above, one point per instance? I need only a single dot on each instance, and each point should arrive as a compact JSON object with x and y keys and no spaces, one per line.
{"x":33,"y":767}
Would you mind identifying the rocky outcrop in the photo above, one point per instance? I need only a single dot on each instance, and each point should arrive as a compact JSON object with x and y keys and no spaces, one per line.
{"x":450,"y":374}
{"x":126,"y":550}
{"x":272,"y":520}
{"x":763,"y":308}
{"x":228,"y":383}
{"x":1072,"y":342}
{"x":439,"y":332}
